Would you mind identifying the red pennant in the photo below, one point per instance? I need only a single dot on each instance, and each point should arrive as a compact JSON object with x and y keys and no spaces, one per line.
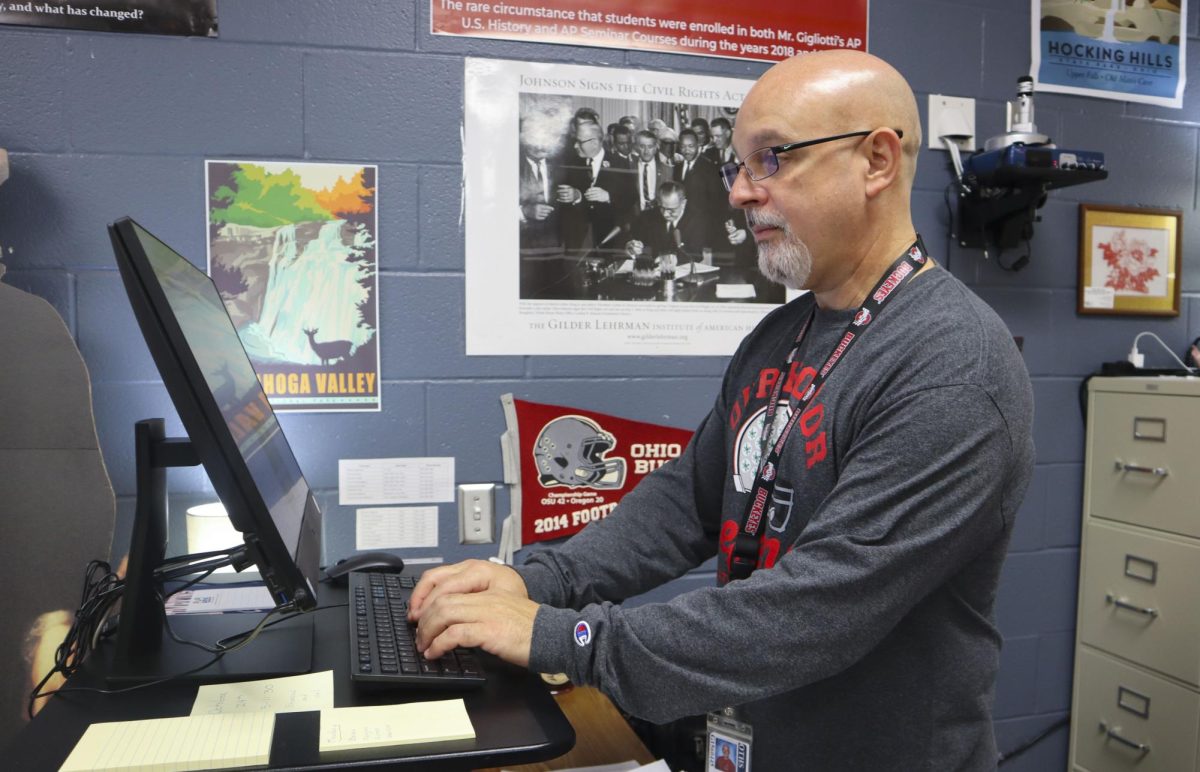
{"x":575,"y":465}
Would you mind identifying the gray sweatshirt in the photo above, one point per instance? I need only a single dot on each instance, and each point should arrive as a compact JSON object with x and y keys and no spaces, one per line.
{"x":866,"y":639}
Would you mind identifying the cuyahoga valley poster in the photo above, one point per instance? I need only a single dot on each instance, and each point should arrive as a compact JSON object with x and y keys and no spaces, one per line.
{"x":292,"y":250}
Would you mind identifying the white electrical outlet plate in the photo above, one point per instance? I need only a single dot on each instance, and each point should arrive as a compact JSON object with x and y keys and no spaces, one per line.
{"x":476,"y":513}
{"x":954,"y":116}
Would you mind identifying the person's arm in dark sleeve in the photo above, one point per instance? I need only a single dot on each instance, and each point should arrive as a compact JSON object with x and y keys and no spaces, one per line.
{"x":919,"y":496}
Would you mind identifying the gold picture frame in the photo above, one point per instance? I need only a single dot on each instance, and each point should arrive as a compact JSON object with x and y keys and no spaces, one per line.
{"x":1129,"y":259}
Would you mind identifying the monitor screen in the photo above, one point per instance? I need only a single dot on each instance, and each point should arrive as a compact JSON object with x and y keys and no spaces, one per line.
{"x":224,"y":410}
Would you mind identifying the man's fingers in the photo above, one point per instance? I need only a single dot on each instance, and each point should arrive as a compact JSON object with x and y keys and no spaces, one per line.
{"x":467,"y":577}
{"x":464,"y":634}
{"x":425,"y":585}
{"x":499,"y":623}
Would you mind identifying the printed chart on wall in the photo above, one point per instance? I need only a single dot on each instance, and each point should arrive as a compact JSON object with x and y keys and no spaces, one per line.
{"x":292,"y":250}
{"x":760,"y":31}
{"x":596,"y":219}
{"x":1113,"y":49}
{"x":157,"y":17}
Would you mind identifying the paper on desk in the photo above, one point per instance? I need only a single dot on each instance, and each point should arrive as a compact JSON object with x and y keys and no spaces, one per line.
{"x":219,"y":600}
{"x":290,"y":694}
{"x":376,"y":726}
{"x":170,"y":744}
{"x":735,"y":291}
{"x":371,"y":481}
{"x":380,"y":528}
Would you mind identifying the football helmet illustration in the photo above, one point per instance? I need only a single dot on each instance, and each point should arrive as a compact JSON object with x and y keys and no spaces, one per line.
{"x":570,"y":451}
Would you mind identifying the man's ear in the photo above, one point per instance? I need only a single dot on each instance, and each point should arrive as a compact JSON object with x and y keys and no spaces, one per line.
{"x":884,"y":157}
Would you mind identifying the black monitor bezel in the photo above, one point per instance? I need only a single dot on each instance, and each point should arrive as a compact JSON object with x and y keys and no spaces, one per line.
{"x":290,"y":576}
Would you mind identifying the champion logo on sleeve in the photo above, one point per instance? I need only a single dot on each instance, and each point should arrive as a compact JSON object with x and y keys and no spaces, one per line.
{"x":583,"y":633}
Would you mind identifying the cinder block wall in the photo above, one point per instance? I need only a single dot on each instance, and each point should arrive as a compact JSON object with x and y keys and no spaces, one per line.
{"x":101,"y":125}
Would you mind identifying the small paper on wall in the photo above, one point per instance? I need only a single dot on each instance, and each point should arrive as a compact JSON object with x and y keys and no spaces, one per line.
{"x":381,"y":528}
{"x":372,"y":481}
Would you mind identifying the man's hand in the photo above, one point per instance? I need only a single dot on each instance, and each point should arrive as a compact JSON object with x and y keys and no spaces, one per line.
{"x":500,"y":623}
{"x":537,"y":211}
{"x":469,"y":576}
{"x":565,"y":194}
{"x":596,"y":195}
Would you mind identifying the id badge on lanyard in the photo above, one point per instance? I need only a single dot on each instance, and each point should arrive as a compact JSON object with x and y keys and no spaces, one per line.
{"x":729,"y":743}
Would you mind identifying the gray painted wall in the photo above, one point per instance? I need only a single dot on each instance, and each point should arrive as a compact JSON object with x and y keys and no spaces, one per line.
{"x":102,"y":125}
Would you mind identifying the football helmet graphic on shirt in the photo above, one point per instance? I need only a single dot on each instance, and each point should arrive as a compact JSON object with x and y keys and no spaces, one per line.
{"x":571,"y":451}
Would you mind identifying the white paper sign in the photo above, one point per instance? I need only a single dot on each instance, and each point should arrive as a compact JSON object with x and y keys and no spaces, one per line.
{"x":1098,"y":297}
{"x":395,"y":527}
{"x":372,"y":481}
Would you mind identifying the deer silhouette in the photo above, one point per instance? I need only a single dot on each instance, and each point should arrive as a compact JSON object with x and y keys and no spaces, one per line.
{"x":329,"y":351}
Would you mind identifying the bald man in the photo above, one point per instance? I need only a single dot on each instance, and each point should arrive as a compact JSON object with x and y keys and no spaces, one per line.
{"x":856,"y":480}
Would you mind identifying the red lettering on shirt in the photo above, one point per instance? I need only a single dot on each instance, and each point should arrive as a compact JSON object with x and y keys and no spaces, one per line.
{"x":810,"y":421}
{"x":768,"y":552}
{"x":766,"y":380}
{"x":799,"y":377}
{"x":729,"y":530}
{"x":815,"y":450}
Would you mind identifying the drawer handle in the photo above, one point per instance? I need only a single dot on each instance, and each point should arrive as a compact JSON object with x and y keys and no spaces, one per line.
{"x":1122,"y":603}
{"x":1111,"y":733}
{"x":1157,"y":471}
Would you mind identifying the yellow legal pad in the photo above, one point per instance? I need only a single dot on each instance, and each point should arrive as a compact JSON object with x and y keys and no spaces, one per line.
{"x":227,"y":741}
{"x":376,"y":726}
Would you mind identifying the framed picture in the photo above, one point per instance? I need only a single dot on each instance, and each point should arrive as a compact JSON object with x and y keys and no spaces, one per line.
{"x":1129,"y":260}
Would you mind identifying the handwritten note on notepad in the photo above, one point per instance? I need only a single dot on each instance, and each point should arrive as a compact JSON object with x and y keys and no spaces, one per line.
{"x":313,"y":691}
{"x":171,"y":744}
{"x":377,"y":726}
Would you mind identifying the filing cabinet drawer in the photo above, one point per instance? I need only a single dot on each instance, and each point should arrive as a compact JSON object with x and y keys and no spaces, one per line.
{"x":1126,"y":719}
{"x":1138,"y":598}
{"x":1144,"y":460}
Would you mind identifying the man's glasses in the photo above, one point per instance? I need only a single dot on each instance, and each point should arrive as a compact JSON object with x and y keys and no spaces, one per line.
{"x":764,"y":162}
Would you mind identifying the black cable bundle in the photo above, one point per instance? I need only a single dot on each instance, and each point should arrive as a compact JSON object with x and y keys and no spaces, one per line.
{"x":102,"y":589}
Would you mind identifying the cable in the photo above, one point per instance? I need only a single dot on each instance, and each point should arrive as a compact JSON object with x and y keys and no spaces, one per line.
{"x":1004,"y":757}
{"x":252,"y":634}
{"x":1165,"y":347}
{"x":247,"y":637}
{"x":102,"y":590}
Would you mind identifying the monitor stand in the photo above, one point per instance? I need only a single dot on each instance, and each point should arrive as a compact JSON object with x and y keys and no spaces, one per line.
{"x":145,"y":650}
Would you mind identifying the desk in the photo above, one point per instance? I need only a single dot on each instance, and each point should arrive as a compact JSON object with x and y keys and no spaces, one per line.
{"x":603,"y":735}
{"x":516,"y":719}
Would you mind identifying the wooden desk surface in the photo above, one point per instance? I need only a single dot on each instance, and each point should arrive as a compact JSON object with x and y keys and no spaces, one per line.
{"x":602,"y":735}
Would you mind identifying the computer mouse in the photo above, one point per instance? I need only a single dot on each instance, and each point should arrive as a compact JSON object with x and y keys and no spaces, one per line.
{"x":364,"y":561}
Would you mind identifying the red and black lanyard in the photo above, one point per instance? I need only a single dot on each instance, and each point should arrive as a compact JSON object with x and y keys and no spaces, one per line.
{"x":744,"y":556}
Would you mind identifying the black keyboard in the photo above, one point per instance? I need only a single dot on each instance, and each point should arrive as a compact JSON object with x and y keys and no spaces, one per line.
{"x":383,"y":649}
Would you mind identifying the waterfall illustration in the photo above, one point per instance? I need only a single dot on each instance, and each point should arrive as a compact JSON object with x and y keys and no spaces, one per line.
{"x":310,"y":285}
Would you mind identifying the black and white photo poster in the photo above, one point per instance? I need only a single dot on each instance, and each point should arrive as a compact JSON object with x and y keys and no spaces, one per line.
{"x":596,"y":219}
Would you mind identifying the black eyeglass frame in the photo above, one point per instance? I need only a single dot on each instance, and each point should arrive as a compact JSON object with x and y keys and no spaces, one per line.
{"x":731,"y":169}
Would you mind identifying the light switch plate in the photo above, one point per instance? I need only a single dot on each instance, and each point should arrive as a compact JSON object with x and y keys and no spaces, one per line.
{"x":476,"y":513}
{"x":954,"y":116}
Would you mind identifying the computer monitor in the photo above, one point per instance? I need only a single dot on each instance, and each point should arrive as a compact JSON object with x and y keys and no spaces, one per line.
{"x":234,"y":433}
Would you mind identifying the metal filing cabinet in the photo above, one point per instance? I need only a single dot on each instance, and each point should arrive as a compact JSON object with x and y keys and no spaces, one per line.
{"x":1136,"y":700}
